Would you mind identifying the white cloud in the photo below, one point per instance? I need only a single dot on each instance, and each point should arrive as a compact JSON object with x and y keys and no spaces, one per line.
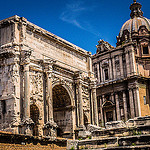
{"x":74,"y":12}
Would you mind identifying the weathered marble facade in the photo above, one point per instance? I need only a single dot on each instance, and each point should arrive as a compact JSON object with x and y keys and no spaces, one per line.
{"x":46,"y":83}
{"x":123,"y":73}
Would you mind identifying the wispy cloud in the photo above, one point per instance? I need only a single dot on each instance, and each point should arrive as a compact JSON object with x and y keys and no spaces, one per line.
{"x":73,"y":13}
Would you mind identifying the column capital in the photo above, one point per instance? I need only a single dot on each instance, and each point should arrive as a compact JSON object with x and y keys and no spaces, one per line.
{"x":48,"y":66}
{"x":25,"y":56}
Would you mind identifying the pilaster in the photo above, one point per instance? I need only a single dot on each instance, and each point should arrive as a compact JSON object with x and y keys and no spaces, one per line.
{"x":117,"y":107}
{"x":110,"y":69}
{"x":121,"y":65}
{"x":128,"y":64}
{"x":132,"y":61}
{"x":98,"y":72}
{"x":114,"y":68}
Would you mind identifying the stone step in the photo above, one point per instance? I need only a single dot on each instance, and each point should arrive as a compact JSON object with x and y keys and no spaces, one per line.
{"x":137,"y":147}
{"x":110,"y":142}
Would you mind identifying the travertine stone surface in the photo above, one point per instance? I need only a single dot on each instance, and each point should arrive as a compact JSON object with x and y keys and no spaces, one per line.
{"x":46,"y":82}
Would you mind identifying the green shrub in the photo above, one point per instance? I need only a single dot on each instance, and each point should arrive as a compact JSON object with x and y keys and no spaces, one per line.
{"x":72,"y":148}
{"x":80,"y":139}
{"x":133,"y":144}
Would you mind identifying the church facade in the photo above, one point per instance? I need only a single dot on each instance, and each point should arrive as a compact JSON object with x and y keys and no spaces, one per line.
{"x":123,"y":72}
{"x":46,"y":83}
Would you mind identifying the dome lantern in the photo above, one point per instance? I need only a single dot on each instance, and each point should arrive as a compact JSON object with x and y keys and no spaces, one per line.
{"x":136,"y":10}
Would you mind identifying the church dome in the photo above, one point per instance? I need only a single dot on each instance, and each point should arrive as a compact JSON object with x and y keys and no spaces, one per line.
{"x":137,"y":20}
{"x":133,"y":25}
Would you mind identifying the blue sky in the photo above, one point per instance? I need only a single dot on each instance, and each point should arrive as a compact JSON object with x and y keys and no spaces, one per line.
{"x":81,"y":22}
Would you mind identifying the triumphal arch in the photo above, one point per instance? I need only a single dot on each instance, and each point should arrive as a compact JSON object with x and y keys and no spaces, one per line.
{"x":46,"y":82}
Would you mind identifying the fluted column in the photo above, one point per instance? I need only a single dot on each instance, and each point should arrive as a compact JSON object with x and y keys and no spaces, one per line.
{"x":125,"y":106}
{"x":117,"y":107}
{"x":25,"y":61}
{"x":137,"y":102}
{"x":121,"y":65}
{"x":27,"y":121}
{"x":49,"y":93}
{"x":26,"y":91}
{"x":95,"y":110}
{"x":131,"y":103}
{"x":101,"y":110}
{"x":80,"y":104}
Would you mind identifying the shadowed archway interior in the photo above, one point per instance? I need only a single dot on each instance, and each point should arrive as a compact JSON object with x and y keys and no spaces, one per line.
{"x":62,"y":111}
{"x":34,"y":114}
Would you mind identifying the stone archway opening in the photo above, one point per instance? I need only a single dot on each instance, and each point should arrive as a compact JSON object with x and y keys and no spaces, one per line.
{"x":34,"y":115}
{"x":62,"y":111}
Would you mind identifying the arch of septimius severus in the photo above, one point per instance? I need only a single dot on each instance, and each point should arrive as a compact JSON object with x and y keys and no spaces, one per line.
{"x":46,"y":82}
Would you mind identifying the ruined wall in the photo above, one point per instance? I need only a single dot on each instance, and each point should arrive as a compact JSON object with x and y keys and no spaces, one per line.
{"x":9,"y":91}
{"x":32,"y":62}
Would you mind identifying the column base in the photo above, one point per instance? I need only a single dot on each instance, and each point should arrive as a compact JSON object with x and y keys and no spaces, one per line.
{"x":81,"y":132}
{"x":27,"y":126}
{"x":50,"y":129}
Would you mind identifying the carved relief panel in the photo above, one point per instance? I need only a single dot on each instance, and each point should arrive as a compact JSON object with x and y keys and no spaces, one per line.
{"x":36,"y":84}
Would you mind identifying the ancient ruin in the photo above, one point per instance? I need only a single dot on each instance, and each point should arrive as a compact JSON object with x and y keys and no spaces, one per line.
{"x":47,"y":87}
